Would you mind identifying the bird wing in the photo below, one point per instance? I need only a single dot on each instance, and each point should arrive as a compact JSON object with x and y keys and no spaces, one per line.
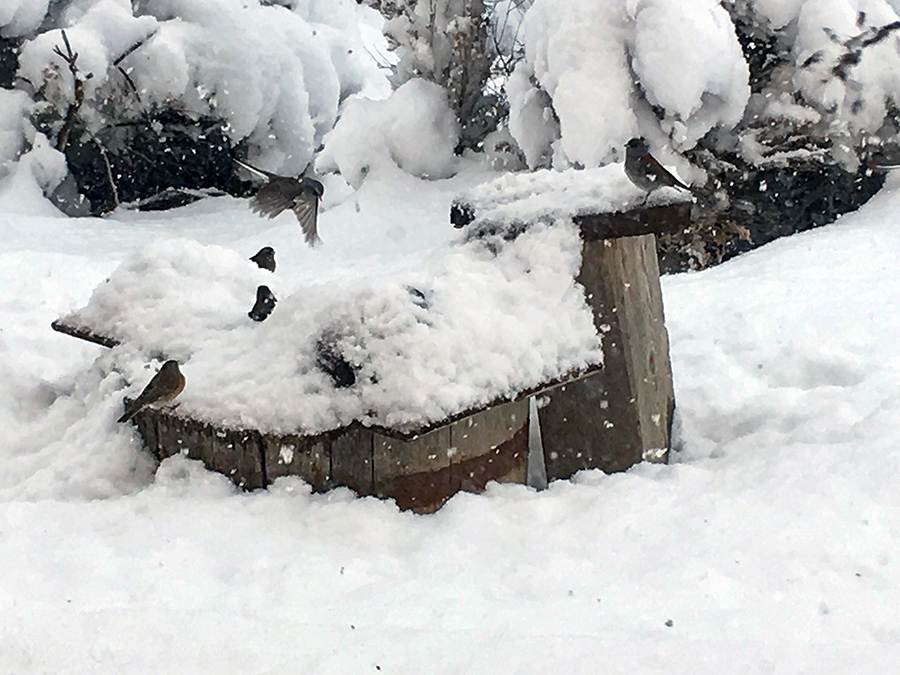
{"x":274,"y":197}
{"x":253,"y":169}
{"x":130,"y":411}
{"x":147,"y":396}
{"x":662,"y":173}
{"x":306,"y":208}
{"x":163,"y":387}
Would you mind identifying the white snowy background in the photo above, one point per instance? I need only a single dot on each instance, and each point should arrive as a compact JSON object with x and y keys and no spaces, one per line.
{"x":768,"y":545}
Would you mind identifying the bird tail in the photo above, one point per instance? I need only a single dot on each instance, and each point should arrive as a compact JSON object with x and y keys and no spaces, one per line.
{"x":131,"y":410}
{"x":127,"y":416}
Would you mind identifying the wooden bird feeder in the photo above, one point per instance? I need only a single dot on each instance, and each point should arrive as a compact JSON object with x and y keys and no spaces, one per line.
{"x":607,"y":418}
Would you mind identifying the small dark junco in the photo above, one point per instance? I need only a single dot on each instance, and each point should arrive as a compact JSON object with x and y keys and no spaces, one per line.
{"x":265,"y":303}
{"x":645,"y":171}
{"x":301,"y":195}
{"x":162,"y":388}
{"x":265,"y":258}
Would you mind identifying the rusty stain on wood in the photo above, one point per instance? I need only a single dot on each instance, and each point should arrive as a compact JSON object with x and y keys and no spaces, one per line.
{"x":428,"y":490}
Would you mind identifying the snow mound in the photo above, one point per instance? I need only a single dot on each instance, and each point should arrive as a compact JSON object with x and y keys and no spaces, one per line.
{"x":468,"y":328}
{"x":689,"y":63}
{"x":13,"y":106}
{"x":546,"y":196}
{"x":20,"y":17}
{"x":414,"y":129}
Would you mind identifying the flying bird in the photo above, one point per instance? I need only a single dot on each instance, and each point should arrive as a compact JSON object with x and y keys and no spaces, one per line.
{"x":165,"y":386}
{"x":265,"y":258}
{"x":280,"y":193}
{"x":645,"y":171}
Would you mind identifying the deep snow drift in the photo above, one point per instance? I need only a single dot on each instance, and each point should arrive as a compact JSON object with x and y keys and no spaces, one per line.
{"x":768,"y":546}
{"x":469,"y":326}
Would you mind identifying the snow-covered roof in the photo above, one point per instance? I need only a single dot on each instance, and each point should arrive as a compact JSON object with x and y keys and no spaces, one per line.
{"x":546,"y":196}
{"x":476,"y":323}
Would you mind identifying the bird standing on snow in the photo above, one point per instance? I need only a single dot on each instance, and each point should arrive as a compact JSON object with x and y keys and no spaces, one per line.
{"x":265,"y":303}
{"x":645,"y":171}
{"x":165,"y":386}
{"x":301,"y":195}
{"x":265,"y":258}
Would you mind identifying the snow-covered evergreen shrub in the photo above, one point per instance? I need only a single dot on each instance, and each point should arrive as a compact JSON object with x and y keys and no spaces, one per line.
{"x":772,"y":108}
{"x":273,"y":77}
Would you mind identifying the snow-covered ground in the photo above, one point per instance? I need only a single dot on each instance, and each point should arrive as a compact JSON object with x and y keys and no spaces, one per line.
{"x":769,"y":545}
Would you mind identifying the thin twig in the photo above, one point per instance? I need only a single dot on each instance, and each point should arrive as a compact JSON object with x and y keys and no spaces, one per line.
{"x":71,"y":59}
{"x":112,"y":182}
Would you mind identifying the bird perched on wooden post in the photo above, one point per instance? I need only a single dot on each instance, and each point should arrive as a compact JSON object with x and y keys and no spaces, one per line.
{"x":645,"y":171}
{"x":162,"y":388}
{"x":265,"y":258}
{"x":280,"y":193}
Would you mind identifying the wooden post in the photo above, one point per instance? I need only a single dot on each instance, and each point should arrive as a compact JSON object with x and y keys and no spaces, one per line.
{"x":622,"y":415}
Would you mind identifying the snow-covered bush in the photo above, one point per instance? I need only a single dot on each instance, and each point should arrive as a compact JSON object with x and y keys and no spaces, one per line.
{"x":21,"y":17}
{"x":614,"y":69}
{"x":770,"y":108}
{"x":832,"y":74}
{"x":13,"y":105}
{"x":448,"y":42}
{"x":414,"y":129}
{"x":275,"y":76}
{"x":223,"y":73}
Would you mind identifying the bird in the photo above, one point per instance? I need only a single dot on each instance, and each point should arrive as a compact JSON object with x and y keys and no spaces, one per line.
{"x":645,"y":171}
{"x":265,"y":258}
{"x":884,"y":158}
{"x":265,"y":303}
{"x":165,"y":386}
{"x":301,"y":195}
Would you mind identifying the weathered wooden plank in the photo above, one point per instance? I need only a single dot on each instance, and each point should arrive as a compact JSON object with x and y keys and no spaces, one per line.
{"x":235,"y":453}
{"x":294,"y":455}
{"x":82,"y":333}
{"x":238,"y":455}
{"x":146,"y":426}
{"x":481,"y":434}
{"x":427,"y":491}
{"x":666,"y":219}
{"x":351,"y":457}
{"x":408,"y":432}
{"x":647,"y":348}
{"x":662,"y":219}
{"x":506,"y":463}
{"x":590,"y":424}
{"x":413,"y":472}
